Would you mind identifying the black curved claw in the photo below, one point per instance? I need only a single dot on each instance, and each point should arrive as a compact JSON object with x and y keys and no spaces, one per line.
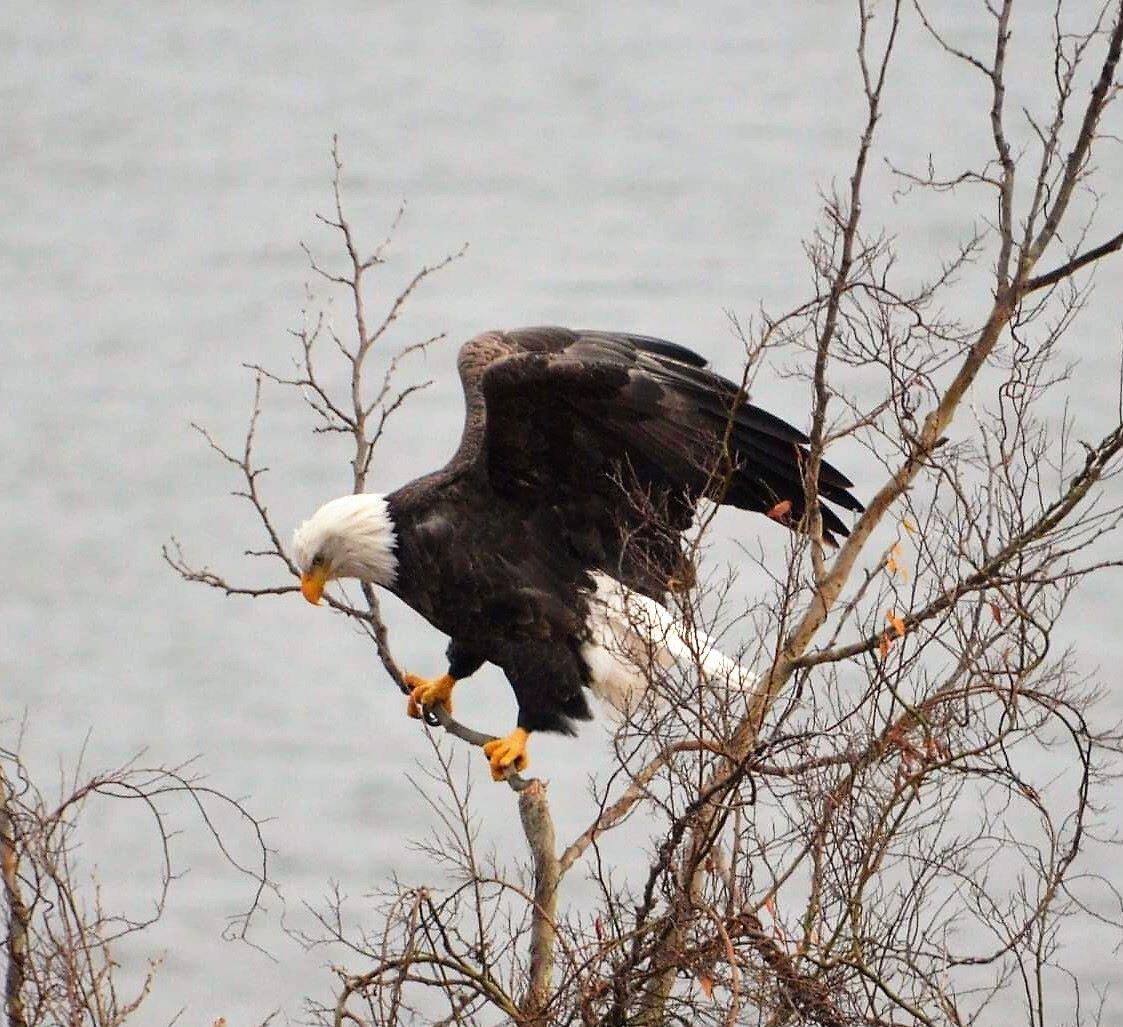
{"x":430,"y":717}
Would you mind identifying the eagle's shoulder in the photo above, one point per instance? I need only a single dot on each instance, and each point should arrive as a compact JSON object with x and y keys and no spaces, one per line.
{"x":479,"y":353}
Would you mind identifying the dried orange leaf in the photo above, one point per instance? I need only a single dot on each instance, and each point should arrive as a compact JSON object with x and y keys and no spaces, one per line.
{"x":897,"y":622}
{"x":908,"y":526}
{"x":707,"y":983}
{"x":883,"y":645}
{"x":996,"y":612}
{"x":781,"y":509}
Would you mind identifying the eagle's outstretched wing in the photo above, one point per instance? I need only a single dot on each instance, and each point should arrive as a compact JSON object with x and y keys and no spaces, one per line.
{"x":623,"y":434}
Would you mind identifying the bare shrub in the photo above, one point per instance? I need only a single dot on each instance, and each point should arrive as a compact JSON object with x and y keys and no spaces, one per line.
{"x":62,"y":939}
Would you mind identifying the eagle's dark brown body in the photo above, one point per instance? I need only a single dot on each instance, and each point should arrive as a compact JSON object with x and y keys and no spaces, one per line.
{"x":583,"y":452}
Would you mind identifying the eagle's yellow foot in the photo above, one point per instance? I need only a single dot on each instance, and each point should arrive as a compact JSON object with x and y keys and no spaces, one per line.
{"x":507,"y":754}
{"x":428,"y":692}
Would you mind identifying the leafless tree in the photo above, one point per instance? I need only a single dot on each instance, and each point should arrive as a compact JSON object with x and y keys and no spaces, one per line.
{"x":864,"y":833}
{"x":61,"y":939}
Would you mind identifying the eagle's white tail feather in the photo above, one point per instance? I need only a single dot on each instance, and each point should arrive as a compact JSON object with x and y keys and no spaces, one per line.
{"x":633,"y":637}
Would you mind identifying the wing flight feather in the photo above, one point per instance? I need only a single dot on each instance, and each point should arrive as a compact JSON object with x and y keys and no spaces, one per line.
{"x":623,"y":435}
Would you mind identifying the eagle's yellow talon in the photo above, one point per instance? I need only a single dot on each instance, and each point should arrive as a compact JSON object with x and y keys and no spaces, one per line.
{"x":507,"y":754}
{"x":428,"y":692}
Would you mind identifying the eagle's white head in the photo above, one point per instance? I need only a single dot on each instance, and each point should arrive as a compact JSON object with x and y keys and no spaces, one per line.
{"x":350,"y":537}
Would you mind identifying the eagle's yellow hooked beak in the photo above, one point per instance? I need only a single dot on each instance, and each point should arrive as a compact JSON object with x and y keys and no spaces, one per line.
{"x":312,"y":584}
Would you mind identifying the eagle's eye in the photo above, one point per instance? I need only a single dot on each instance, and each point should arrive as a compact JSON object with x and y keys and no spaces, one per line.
{"x":318,"y":560}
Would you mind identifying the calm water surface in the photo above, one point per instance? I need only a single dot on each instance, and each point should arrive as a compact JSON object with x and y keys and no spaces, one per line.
{"x":636,"y":166}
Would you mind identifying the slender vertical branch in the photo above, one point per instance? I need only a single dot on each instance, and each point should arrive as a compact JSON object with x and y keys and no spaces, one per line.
{"x":538,"y":826}
{"x":18,"y":916}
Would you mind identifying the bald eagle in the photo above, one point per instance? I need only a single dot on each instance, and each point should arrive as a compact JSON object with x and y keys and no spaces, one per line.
{"x":583,"y":458}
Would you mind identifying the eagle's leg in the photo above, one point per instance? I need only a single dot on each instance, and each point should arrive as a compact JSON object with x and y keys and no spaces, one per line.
{"x":428,"y":692}
{"x":507,"y":754}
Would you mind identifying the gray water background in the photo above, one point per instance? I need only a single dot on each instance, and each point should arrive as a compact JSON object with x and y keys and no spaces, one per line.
{"x":643,"y":167}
